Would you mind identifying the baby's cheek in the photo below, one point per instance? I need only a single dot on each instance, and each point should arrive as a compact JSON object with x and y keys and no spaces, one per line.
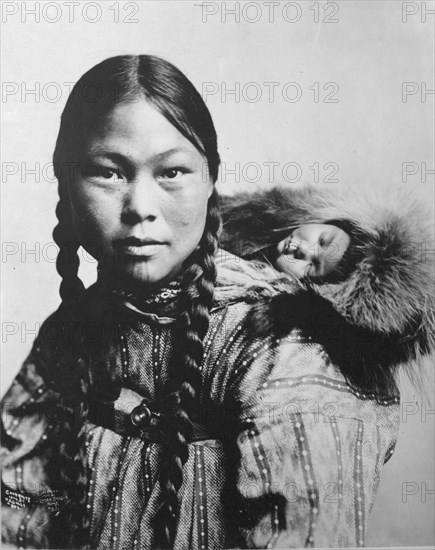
{"x":290,"y":265}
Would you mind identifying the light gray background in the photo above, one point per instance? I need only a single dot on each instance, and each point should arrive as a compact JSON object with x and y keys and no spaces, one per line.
{"x":369,"y":133}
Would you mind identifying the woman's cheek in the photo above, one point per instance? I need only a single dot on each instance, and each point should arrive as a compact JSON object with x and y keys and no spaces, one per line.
{"x":193,"y":221}
{"x":187,"y":212}
{"x":94,"y":218}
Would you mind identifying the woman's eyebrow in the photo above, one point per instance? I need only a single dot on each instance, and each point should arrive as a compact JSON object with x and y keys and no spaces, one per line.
{"x":165,"y":154}
{"x":119,"y":158}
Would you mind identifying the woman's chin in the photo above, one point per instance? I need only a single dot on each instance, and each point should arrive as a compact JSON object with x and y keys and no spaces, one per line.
{"x":138,"y":274}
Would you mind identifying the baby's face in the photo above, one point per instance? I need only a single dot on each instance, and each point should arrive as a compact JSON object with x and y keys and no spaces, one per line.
{"x":312,"y":250}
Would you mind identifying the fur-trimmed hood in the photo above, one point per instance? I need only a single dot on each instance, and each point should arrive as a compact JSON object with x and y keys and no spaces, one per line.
{"x":383,"y":313}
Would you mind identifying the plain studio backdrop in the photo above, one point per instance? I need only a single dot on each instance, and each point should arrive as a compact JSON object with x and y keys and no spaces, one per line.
{"x":299,"y":92}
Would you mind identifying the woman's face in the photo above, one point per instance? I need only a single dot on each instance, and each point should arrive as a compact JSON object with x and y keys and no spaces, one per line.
{"x":312,"y":250}
{"x":139,"y":198}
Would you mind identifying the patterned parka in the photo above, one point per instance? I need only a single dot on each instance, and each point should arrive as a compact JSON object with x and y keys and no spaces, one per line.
{"x":299,"y":412}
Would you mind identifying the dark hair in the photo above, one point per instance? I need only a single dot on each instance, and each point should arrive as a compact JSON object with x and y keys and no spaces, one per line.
{"x":119,"y":80}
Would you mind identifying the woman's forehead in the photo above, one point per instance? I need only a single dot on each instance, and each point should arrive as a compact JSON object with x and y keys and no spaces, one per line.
{"x":137,"y":128}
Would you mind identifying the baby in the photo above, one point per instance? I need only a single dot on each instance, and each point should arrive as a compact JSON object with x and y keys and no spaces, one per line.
{"x":319,"y":252}
{"x":292,"y":231}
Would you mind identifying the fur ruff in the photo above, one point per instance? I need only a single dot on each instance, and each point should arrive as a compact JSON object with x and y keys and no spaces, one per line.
{"x":382,"y":315}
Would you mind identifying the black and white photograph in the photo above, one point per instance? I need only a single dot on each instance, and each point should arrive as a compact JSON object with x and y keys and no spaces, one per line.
{"x":218,"y":294}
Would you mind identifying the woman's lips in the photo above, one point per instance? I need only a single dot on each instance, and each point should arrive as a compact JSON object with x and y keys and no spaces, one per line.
{"x":137,"y":248}
{"x":145,"y":250}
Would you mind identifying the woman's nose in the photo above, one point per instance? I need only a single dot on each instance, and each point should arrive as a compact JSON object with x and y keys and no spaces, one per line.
{"x":141,"y":201}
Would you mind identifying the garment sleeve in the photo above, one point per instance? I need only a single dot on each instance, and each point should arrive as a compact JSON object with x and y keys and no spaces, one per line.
{"x":310,"y":450}
{"x":28,"y":417}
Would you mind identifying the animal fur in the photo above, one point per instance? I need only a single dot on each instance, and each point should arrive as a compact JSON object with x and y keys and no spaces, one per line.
{"x":382,"y":315}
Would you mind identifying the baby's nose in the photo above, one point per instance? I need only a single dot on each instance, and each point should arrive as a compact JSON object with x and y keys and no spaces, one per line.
{"x":306,"y":251}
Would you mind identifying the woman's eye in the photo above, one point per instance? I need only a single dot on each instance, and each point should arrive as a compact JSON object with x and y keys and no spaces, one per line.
{"x":108,"y":173}
{"x":172,"y":173}
{"x":103,"y":173}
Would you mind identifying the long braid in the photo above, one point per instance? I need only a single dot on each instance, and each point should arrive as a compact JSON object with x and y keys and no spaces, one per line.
{"x":71,"y":457}
{"x":198,"y":289}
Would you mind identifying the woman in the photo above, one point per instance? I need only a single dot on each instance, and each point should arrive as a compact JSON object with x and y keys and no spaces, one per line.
{"x":157,"y":409}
